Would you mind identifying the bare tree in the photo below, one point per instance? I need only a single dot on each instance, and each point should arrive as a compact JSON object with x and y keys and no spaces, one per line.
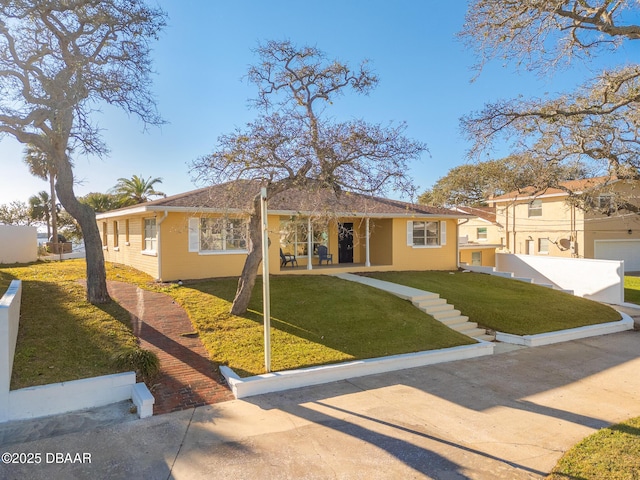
{"x":598,"y":122}
{"x":292,"y":145}
{"x":58,"y":61}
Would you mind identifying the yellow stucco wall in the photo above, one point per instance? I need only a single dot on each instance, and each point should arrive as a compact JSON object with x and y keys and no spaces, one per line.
{"x":406,"y":257}
{"x":470,"y":230}
{"x":488,"y":256}
{"x":173,"y":261}
{"x":128,"y":252}
{"x":560,"y":223}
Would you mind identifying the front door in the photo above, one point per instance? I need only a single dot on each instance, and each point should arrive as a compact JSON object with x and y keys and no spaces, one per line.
{"x":345,"y":243}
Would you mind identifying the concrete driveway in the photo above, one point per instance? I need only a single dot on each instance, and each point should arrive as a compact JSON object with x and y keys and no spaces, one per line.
{"x":508,"y":416}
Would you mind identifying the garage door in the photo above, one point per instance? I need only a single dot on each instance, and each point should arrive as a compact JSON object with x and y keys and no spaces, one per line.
{"x":627,"y":250}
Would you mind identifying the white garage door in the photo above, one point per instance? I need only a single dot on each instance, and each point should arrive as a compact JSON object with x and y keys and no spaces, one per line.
{"x":627,"y":250}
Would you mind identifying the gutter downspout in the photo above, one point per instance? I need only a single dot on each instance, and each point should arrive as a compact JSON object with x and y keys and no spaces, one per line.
{"x":158,"y":223}
{"x":462,"y":222}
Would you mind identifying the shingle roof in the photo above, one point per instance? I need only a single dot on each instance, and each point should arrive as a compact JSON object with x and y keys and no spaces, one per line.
{"x":576,"y":186}
{"x":485,"y":213}
{"x":238,"y":196}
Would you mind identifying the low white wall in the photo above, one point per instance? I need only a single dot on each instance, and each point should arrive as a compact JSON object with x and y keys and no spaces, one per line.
{"x":9,"y":323}
{"x":56,"y":398}
{"x":18,"y":244}
{"x":567,"y":335}
{"x":600,"y":280}
{"x":278,"y":381}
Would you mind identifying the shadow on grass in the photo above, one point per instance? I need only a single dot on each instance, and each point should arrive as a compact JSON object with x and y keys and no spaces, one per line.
{"x":319,"y":320}
{"x":62,"y":337}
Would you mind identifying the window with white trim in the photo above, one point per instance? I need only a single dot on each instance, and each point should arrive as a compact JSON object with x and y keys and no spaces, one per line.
{"x":481,"y":233}
{"x":116,"y":235}
{"x":218,"y":235}
{"x":423,"y":233}
{"x":543,"y":245}
{"x":150,"y":235}
{"x":535,"y":208}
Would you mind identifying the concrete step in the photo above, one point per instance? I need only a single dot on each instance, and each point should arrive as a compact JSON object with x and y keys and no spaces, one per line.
{"x":485,"y":337}
{"x":454,"y":320}
{"x":424,"y":303}
{"x":440,"y":316}
{"x":424,"y":297}
{"x":474,"y":333}
{"x":443,"y":307}
{"x":464,"y":327}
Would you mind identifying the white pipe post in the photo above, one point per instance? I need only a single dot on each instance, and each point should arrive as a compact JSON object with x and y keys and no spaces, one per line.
{"x":309,"y":244}
{"x":367,"y":262}
{"x":266,"y":299}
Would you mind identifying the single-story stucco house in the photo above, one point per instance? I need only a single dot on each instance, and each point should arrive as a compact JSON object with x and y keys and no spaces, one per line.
{"x":204,"y":233}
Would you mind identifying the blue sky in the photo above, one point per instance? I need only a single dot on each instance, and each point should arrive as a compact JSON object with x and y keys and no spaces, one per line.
{"x":425,"y":80}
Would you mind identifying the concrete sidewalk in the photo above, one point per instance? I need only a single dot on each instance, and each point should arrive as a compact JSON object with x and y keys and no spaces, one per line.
{"x":506,"y":416}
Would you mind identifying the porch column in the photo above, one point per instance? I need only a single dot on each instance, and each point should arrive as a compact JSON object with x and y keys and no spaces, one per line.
{"x":367,"y":261}
{"x":309,"y":244}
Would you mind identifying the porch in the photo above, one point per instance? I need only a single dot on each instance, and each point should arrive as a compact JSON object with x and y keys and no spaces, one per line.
{"x":330,"y":269}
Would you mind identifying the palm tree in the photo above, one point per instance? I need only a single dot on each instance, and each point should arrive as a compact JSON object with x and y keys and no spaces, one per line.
{"x":101,"y":202}
{"x":41,"y":167}
{"x":136,"y":189}
{"x":40,"y":209}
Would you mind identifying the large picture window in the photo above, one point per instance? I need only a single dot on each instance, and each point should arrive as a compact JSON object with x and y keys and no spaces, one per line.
{"x":223,"y":234}
{"x":294,"y":237}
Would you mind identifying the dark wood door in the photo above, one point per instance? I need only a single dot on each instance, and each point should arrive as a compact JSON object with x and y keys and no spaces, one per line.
{"x":345,"y":243}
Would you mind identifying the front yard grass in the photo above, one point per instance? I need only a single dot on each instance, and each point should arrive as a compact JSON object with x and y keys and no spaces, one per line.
{"x":506,"y":305}
{"x":612,"y":453}
{"x":315,"y":320}
{"x":61,"y":336}
{"x":632,"y":289}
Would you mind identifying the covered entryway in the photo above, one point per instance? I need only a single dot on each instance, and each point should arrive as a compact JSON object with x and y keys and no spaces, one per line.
{"x":627,"y":250}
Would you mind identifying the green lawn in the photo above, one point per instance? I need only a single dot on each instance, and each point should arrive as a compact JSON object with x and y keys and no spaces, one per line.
{"x":506,"y":305}
{"x":315,"y":320}
{"x":632,"y":289}
{"x":62,"y":337}
{"x":612,"y":453}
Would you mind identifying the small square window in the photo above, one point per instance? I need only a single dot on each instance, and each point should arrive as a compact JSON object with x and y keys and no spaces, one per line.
{"x":535,"y":208}
{"x":543,"y":245}
{"x":482,"y":233}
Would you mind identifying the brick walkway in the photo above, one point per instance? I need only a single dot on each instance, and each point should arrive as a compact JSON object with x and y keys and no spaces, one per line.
{"x":188,"y":378}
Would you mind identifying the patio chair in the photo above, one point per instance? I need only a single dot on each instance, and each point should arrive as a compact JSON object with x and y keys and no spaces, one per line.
{"x":287,"y":258}
{"x":323,"y":255}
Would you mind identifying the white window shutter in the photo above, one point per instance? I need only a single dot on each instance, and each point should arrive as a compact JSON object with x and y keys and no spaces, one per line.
{"x":443,"y":232}
{"x":410,"y":233}
{"x":194,"y":234}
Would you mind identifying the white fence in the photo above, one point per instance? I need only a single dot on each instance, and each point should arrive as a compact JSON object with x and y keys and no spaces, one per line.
{"x":62,"y":397}
{"x":18,"y":244}
{"x":600,"y":280}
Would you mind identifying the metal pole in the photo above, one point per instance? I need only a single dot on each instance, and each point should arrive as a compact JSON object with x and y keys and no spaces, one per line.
{"x":266,"y":300}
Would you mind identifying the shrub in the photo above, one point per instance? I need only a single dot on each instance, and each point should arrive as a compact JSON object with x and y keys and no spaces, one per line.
{"x":145,"y":363}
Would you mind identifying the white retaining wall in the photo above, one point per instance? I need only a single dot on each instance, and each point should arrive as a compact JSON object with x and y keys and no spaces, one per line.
{"x":18,"y":244}
{"x":9,"y":322}
{"x":599,"y":280}
{"x":44,"y":400}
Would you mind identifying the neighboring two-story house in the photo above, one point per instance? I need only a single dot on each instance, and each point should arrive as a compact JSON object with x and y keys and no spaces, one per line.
{"x":480,"y":236}
{"x":544,"y":223}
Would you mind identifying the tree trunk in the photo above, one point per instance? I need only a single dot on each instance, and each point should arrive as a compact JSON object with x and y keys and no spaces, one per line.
{"x":247,"y":279}
{"x":96,"y":274}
